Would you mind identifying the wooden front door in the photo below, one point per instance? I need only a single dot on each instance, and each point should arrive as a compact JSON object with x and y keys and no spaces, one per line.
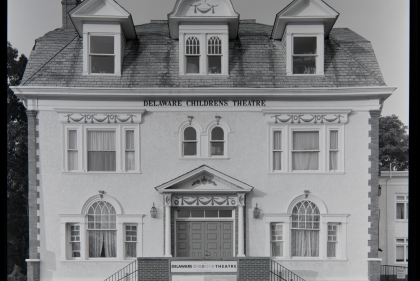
{"x":204,"y":239}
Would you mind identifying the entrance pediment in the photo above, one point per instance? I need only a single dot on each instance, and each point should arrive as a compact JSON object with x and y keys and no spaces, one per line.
{"x":204,"y":180}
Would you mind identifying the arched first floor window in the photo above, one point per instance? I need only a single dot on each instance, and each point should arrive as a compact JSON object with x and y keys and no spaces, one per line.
{"x":189,"y":142}
{"x":101,"y":231}
{"x":217,"y":142}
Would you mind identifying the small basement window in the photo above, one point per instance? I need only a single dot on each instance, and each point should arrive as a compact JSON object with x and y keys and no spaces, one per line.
{"x":102,"y":54}
{"x":304,"y":55}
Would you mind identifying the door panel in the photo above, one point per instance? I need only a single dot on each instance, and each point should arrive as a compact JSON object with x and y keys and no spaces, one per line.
{"x":212,"y":243}
{"x":197,"y":239}
{"x":226,"y":239}
{"x":182,"y":239}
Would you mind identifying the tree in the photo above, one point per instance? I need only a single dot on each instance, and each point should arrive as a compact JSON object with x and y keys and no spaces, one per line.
{"x":393,"y":144}
{"x":17,"y":166}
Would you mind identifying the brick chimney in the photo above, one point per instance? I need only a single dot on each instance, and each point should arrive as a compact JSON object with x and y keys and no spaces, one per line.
{"x":67,"y":6}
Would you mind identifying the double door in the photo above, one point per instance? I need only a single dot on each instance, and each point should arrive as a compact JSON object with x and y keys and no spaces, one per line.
{"x":212,"y":239}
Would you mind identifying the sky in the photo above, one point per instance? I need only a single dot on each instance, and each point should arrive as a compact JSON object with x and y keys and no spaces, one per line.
{"x":385,"y":23}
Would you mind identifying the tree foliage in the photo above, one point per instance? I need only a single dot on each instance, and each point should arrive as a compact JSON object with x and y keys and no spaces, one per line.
{"x":17,"y":167}
{"x":393,"y":144}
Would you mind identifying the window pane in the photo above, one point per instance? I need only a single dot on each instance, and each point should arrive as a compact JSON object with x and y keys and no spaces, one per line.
{"x":333,"y":139}
{"x":101,"y":161}
{"x":193,"y":64}
{"x":400,"y":197}
{"x":211,"y":213}
{"x":73,"y":159}
{"x":72,"y":139}
{"x":304,"y":65}
{"x":102,"y":44}
{"x":276,"y":160}
{"x":217,"y":134}
{"x":277,"y":140}
{"x":102,"y":243}
{"x":215,"y":64}
{"x":225,"y":213}
{"x":190,"y":148}
{"x":334,"y":160}
{"x":130,"y":250}
{"x":305,"y":161}
{"x":197,"y":213}
{"x":129,"y":139}
{"x":277,"y":249}
{"x":331,"y":249}
{"x":305,"y":140}
{"x":101,"y":141}
{"x":304,"y":45}
{"x":102,"y":64}
{"x":400,"y":211}
{"x":182,"y":213}
{"x":399,"y":253}
{"x":305,"y":243}
{"x":129,"y":161}
{"x":217,"y":148}
{"x":190,"y":134}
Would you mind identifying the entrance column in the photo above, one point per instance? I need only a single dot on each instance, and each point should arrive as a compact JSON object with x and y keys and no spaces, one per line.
{"x":168,"y":225}
{"x":241,"y":204}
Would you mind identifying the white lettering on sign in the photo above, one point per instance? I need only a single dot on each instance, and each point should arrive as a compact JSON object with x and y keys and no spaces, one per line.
{"x":204,"y":266}
{"x":401,"y":273}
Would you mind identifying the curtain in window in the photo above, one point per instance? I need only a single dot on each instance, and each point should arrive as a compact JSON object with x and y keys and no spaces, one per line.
{"x":400,"y":211}
{"x":305,"y":141}
{"x":334,"y":154}
{"x":102,"y":243}
{"x":331,"y":249}
{"x":101,"y":151}
{"x":129,"y":153}
{"x":72,"y":150}
{"x":130,"y":250}
{"x":95,"y":243}
{"x":305,"y":243}
{"x":276,"y":153}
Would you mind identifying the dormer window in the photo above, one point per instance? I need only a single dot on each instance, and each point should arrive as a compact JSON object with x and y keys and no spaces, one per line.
{"x":304,"y":55}
{"x":101,"y":54}
{"x":192,"y":54}
{"x":214,"y":53}
{"x":305,"y":49}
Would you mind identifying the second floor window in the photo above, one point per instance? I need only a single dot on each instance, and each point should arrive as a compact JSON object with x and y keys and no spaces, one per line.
{"x":189,"y":144}
{"x":101,"y":151}
{"x":214,"y":53}
{"x":305,"y":151}
{"x":192,"y":53}
{"x":102,"y":54}
{"x":217,"y":142}
{"x":401,"y":207}
{"x":304,"y":55}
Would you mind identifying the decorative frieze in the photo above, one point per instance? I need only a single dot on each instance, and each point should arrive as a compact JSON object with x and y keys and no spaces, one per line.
{"x":306,"y":117}
{"x":204,"y":200}
{"x":100,"y":117}
{"x":203,"y":9}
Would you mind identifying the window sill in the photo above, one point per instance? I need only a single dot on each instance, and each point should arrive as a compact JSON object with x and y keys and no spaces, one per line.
{"x":111,"y":173}
{"x":306,"y":173}
{"x":101,"y":74}
{"x":203,"y":76}
{"x":205,"y":158}
{"x":305,"y":75}
{"x":401,"y":221}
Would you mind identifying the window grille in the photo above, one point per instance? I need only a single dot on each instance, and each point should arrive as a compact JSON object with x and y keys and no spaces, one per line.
{"x":214,"y":46}
{"x":192,"y":46}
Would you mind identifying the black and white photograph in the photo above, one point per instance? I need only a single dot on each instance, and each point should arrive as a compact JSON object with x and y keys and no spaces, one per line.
{"x":207,"y":140}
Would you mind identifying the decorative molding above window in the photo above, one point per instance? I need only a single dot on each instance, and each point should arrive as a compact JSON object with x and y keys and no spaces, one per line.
{"x":335,"y":117}
{"x":204,"y":200}
{"x":121,"y":117}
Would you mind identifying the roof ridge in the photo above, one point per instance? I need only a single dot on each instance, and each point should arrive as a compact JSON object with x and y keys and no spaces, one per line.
{"x":59,"y":51}
{"x":360,"y":63}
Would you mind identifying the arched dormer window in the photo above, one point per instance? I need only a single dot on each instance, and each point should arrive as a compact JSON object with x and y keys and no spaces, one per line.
{"x":192,"y":53}
{"x":189,"y":143}
{"x":217,"y":142}
{"x":214,"y":53}
{"x":102,"y":230}
{"x":305,"y":229}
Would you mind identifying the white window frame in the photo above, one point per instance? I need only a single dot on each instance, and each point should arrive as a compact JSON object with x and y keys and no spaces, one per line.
{"x":324,"y":147}
{"x":70,"y":242}
{"x":225,"y":142}
{"x":81,"y":219}
{"x":125,"y":239}
{"x":325,"y":219}
{"x":401,"y":201}
{"x":405,"y":245}
{"x":203,"y":33}
{"x":309,"y":30}
{"x":119,"y":129}
{"x":271,"y":239}
{"x":338,"y":244}
{"x":110,"y":29}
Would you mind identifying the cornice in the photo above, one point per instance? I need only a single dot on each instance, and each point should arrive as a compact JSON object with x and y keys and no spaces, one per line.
{"x":86,"y":93}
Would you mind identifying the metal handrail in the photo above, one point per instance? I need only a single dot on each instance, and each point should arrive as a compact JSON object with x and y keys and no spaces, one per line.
{"x":280,"y":273}
{"x":389,"y":272}
{"x":127,"y":273}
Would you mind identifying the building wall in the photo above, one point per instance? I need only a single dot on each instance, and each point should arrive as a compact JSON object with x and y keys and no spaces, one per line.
{"x":390,"y":227}
{"x":248,"y":151}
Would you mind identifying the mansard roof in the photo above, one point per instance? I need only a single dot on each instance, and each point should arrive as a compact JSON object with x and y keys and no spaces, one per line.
{"x":152,"y":59}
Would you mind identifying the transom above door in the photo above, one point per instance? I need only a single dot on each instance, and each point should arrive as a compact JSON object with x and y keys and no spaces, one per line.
{"x":204,"y":239}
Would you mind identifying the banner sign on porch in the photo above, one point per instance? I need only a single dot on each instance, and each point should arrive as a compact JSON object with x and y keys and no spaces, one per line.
{"x":401,"y":273}
{"x":204,"y":266}
{"x":204,"y":278}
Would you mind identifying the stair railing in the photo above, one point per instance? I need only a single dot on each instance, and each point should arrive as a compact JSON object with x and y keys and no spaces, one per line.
{"x":127,"y":273}
{"x":280,"y":273}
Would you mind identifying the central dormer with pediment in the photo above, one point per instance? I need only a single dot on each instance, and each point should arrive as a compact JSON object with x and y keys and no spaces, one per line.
{"x":105,"y":26}
{"x":303,"y":25}
{"x":203,"y":28}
